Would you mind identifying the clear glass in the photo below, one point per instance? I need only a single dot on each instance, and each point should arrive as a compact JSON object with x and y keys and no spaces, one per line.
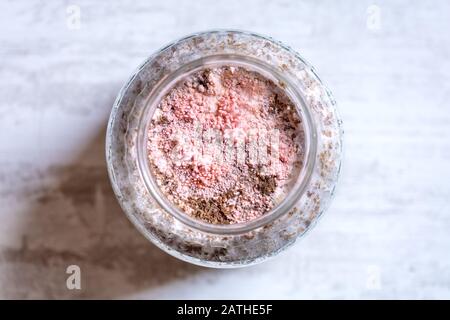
{"x":193,"y":240}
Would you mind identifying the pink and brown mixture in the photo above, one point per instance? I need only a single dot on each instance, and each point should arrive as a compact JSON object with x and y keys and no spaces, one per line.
{"x":224,"y":145}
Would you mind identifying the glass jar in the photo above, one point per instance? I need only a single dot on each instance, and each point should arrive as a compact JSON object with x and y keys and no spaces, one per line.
{"x":192,"y":240}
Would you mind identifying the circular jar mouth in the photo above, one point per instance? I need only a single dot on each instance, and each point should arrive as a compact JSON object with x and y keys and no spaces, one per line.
{"x":266,"y":70}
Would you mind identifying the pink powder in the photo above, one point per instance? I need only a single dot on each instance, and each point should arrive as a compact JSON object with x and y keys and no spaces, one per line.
{"x":224,"y":145}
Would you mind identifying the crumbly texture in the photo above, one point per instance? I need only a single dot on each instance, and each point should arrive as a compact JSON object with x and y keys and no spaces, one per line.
{"x":224,"y":145}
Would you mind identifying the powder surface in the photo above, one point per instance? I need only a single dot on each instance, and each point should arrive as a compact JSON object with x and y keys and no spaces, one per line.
{"x":225,"y":144}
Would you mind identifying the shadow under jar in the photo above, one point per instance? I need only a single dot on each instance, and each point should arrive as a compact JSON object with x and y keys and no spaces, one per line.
{"x":237,"y":238}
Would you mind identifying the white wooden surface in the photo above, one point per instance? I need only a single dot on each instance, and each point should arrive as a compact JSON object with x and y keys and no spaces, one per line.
{"x":386,"y":235}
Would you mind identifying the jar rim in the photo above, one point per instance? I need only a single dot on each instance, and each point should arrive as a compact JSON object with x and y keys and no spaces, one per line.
{"x":304,"y":176}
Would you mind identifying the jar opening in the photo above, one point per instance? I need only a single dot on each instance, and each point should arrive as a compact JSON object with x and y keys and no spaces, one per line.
{"x":309,"y":153}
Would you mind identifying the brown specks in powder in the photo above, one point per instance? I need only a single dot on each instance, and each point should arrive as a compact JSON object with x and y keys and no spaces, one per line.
{"x":266,"y":184}
{"x":325,"y":162}
{"x":232,"y":102}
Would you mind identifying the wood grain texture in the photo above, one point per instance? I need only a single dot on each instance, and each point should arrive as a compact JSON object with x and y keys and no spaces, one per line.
{"x":386,"y":235}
